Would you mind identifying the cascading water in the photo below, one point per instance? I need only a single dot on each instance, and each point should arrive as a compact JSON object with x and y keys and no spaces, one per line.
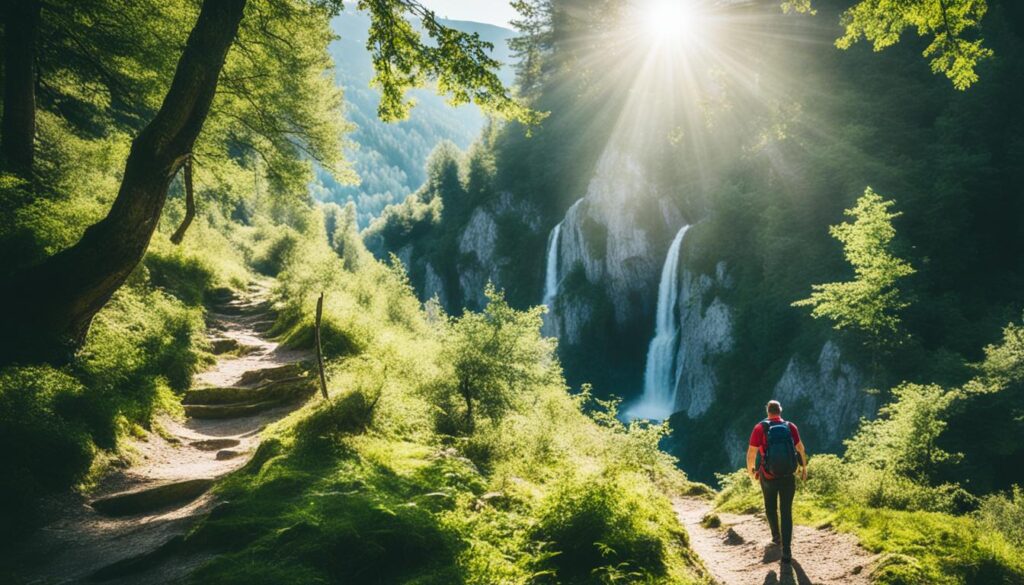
{"x":552,"y":275}
{"x":551,"y":270}
{"x":548,"y":327}
{"x":659,"y":397}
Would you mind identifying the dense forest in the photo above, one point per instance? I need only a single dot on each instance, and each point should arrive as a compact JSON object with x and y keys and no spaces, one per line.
{"x":226,"y":360}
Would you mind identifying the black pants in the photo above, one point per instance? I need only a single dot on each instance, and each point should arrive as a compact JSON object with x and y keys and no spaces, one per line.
{"x":778,"y":497}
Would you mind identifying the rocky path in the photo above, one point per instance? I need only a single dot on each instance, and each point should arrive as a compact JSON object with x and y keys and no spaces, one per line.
{"x":137,"y":516}
{"x":738,"y":552}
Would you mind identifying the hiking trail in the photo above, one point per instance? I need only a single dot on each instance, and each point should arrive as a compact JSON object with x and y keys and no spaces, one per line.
{"x":137,"y":515}
{"x":739,"y":551}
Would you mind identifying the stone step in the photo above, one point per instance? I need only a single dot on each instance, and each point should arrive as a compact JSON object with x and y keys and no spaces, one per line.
{"x":233,"y":410}
{"x":243,"y":306}
{"x":291,"y":370}
{"x":139,"y":562}
{"x":215,"y":444}
{"x":222,"y":295}
{"x":263,"y":326}
{"x":287,"y":389}
{"x":152,"y":498}
{"x":225,"y":454}
{"x":223,"y":345}
{"x":228,"y":309}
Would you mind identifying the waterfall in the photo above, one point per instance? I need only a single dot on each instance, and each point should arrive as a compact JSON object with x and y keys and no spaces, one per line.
{"x":659,"y":397}
{"x":552,"y":275}
{"x":551,"y":270}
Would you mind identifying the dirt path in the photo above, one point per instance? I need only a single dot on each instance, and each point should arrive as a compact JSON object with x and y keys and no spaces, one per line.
{"x":739,"y":552}
{"x":138,"y":515}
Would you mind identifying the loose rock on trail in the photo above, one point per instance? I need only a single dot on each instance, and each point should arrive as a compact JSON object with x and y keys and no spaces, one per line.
{"x":739,"y":552}
{"x":138,"y":515}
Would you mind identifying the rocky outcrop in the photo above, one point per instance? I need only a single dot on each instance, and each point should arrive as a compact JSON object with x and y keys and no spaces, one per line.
{"x":479,"y":236}
{"x":831,"y":389}
{"x":572,"y":318}
{"x":705,"y":331}
{"x":405,"y":255}
{"x":610,"y":237}
{"x":479,"y":263}
{"x":434,"y":286}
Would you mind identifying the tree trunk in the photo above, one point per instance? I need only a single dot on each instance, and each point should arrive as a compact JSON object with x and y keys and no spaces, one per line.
{"x":18,"y":127}
{"x":190,"y":204}
{"x":50,"y":305}
{"x":467,"y":395}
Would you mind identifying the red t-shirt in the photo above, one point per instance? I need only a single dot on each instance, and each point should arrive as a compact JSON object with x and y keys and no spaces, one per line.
{"x":757,"y":439}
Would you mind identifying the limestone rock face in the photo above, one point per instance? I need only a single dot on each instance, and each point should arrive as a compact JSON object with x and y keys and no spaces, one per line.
{"x":705,"y":331}
{"x":608,"y":235}
{"x":433,"y":285}
{"x":479,"y":235}
{"x":834,"y":391}
{"x":479,"y":262}
{"x":405,"y":255}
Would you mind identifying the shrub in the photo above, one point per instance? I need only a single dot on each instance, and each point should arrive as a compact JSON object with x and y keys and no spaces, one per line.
{"x":186,"y":277}
{"x":45,"y":447}
{"x":273,"y":253}
{"x":1005,"y":514}
{"x":141,"y":346}
{"x":494,"y":358}
{"x":597,"y":523}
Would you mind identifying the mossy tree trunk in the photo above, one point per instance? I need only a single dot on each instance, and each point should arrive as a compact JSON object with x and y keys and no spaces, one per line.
{"x":18,"y":126}
{"x":49,"y":306}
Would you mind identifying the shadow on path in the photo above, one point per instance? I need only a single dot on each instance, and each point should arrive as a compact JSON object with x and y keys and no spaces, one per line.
{"x":789,"y":574}
{"x":738,"y":553}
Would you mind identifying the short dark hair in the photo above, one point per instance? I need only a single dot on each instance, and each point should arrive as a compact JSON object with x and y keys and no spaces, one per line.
{"x":774,"y":407}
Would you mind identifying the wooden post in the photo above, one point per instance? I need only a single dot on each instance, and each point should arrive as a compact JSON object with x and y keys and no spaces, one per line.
{"x":319,"y":349}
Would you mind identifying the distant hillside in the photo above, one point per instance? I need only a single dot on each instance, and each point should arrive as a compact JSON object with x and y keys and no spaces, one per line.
{"x":390,"y":157}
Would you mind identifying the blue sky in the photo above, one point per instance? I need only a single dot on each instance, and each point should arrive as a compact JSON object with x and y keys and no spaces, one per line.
{"x":490,"y":11}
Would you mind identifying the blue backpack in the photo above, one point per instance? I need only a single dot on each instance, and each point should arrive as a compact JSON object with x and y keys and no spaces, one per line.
{"x":780,"y":458}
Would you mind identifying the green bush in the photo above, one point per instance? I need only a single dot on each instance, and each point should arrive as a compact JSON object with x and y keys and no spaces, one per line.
{"x":186,"y":277}
{"x":46,"y":448}
{"x":596,"y":524}
{"x":1004,"y":513}
{"x":273,"y":253}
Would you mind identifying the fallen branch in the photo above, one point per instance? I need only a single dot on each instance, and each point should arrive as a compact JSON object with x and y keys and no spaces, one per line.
{"x":319,"y":349}
{"x":190,"y":204}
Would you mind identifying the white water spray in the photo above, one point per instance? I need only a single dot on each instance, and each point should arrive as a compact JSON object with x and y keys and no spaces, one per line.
{"x":551,"y":270}
{"x":659,"y":398}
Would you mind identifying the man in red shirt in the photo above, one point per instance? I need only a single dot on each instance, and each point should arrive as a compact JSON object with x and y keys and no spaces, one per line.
{"x":778,"y":491}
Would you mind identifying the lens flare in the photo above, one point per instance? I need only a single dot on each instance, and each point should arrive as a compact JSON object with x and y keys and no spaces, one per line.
{"x":669,"y":20}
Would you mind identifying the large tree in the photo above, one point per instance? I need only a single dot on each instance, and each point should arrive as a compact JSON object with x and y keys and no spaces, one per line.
{"x":18,"y":126}
{"x":50,"y":305}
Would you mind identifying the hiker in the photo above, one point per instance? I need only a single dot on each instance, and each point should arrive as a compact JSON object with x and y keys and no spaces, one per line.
{"x":782,"y":457}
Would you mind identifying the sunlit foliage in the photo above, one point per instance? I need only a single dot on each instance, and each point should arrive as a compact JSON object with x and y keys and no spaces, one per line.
{"x":871,"y":301}
{"x":458,"y":62}
{"x":956,"y":47}
{"x":495,"y":356}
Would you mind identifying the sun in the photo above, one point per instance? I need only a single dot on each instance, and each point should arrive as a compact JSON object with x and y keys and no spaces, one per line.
{"x":669,"y":20}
